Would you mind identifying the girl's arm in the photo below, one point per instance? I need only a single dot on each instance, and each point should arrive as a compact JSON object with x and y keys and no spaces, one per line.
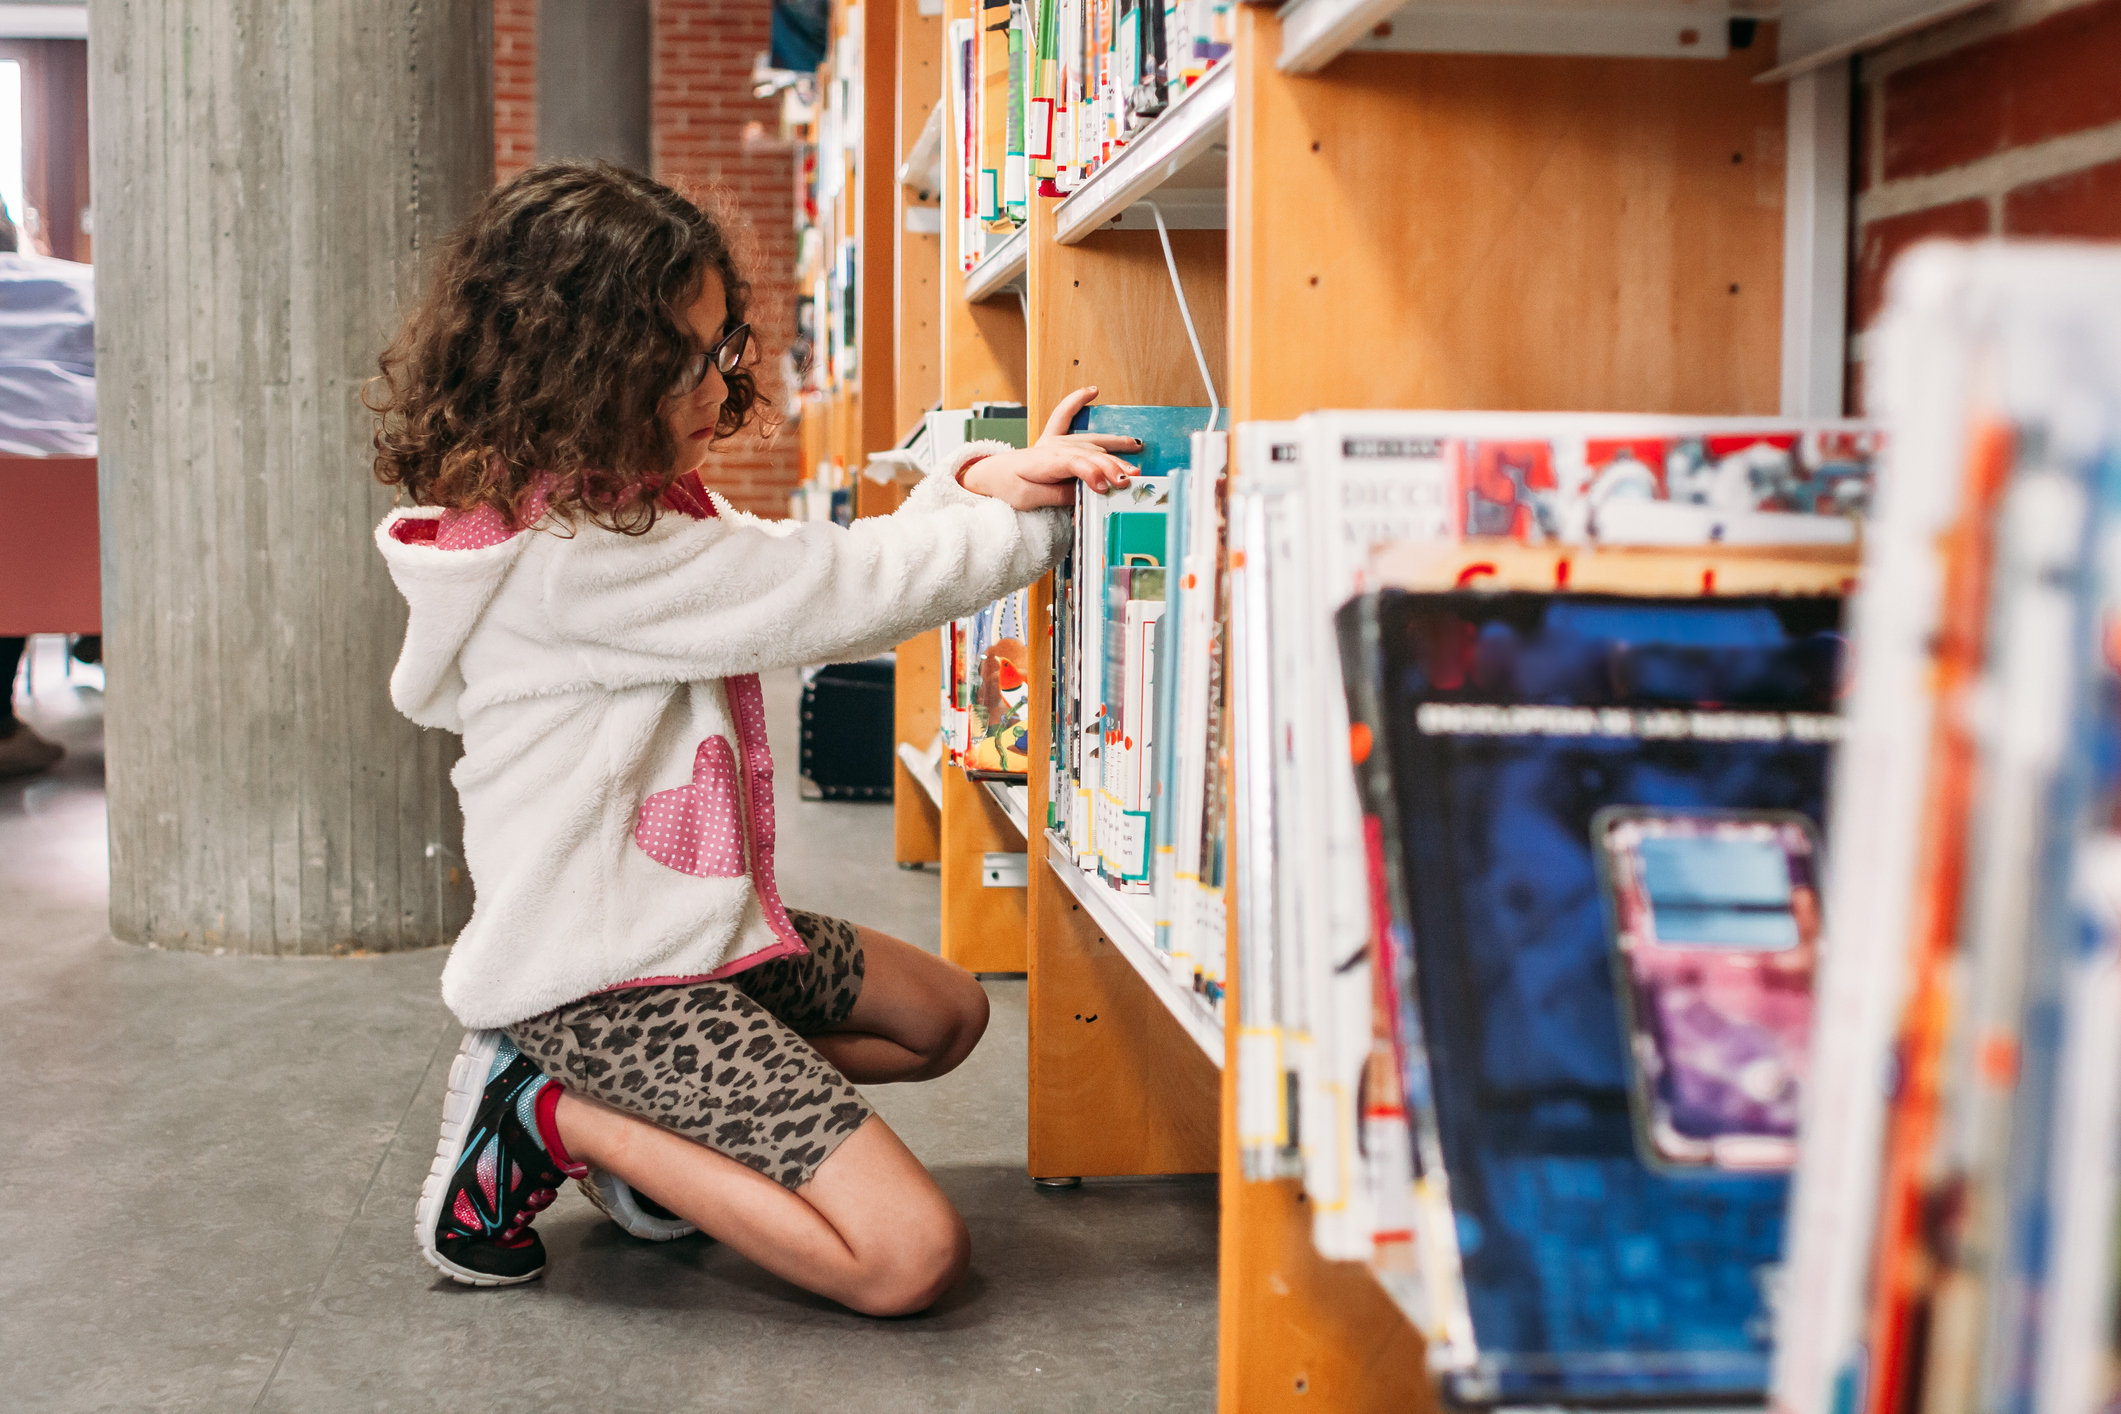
{"x":721,"y":597}
{"x":734,"y":595}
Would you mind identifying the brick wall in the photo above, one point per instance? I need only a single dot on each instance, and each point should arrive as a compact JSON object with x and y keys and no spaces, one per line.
{"x":515,"y":86}
{"x":697,"y":132}
{"x":2005,"y":122}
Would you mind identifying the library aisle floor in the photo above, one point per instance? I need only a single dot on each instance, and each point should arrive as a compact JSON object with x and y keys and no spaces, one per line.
{"x":208,"y":1199}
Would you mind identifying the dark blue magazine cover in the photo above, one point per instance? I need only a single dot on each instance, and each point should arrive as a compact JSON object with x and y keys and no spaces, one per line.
{"x":1504,"y":725}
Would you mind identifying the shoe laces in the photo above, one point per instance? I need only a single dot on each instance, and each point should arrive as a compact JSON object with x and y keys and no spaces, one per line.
{"x":516,"y":1232}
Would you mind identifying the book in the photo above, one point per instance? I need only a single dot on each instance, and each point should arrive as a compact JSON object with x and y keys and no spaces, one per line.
{"x":1954,"y":1209}
{"x":997,"y":26}
{"x":1503,"y":739}
{"x":1192,"y":846}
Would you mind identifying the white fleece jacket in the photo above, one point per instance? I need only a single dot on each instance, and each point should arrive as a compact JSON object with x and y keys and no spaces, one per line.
{"x":616,"y":788}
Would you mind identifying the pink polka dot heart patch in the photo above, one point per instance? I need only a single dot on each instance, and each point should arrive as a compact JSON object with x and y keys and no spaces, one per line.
{"x":694,"y":828}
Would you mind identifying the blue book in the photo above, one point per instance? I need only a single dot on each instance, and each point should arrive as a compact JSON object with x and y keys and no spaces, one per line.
{"x":1511,"y":734}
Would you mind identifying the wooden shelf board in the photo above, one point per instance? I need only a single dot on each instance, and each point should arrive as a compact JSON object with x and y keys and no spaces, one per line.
{"x":1001,"y":269}
{"x":1175,"y":155}
{"x":923,"y":770}
{"x":1127,"y":924}
{"x":1315,"y":32}
{"x":1015,"y":802}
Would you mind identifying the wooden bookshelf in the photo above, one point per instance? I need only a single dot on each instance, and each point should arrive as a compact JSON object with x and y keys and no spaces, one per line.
{"x":907,"y":45}
{"x":1368,"y":209}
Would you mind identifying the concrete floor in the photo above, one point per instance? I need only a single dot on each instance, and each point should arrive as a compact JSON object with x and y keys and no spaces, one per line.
{"x":208,"y":1203}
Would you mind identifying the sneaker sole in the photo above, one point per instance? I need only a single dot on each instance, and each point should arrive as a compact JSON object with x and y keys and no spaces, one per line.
{"x":618,"y":1205}
{"x":467,"y":1082}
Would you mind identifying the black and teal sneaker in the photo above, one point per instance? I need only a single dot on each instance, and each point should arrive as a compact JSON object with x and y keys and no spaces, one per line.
{"x":498,"y":1165}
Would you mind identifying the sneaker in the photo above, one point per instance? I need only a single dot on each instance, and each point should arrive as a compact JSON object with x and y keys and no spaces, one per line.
{"x":24,"y":753}
{"x":498,"y":1166}
{"x":638,"y":1214}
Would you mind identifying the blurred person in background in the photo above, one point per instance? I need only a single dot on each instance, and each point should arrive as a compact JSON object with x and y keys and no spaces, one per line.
{"x":47,"y":409}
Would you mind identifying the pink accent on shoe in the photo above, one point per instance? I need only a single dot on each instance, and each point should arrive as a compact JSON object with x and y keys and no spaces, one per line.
{"x":693,"y":828}
{"x":489,"y":1173}
{"x":533,"y":1204}
{"x":548,"y":1104}
{"x":466,"y":1216}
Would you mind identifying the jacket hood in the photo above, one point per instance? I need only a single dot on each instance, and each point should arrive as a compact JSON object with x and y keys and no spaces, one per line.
{"x":448,"y":592}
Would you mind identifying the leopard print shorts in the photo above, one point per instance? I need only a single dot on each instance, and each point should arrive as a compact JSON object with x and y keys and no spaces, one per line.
{"x":722,"y":1063}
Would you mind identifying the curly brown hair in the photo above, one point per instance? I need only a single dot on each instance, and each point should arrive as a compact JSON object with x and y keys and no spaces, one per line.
{"x":552,"y":326}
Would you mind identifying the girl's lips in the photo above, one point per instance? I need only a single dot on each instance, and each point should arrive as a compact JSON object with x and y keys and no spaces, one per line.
{"x":703,"y":434}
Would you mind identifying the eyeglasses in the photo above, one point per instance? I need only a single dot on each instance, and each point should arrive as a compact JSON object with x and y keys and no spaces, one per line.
{"x":725,"y":355}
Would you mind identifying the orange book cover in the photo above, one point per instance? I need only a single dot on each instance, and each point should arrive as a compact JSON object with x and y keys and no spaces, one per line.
{"x":1905,"y":1264}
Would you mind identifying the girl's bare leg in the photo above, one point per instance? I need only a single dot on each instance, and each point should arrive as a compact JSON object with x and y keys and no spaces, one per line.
{"x":870,"y":1230}
{"x":916,"y":1017}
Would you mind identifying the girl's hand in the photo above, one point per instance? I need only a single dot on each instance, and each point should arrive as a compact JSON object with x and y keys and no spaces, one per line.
{"x":1039,"y":475}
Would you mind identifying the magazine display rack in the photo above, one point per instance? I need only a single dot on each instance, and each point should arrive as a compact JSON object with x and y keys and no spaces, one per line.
{"x":1378,"y":228}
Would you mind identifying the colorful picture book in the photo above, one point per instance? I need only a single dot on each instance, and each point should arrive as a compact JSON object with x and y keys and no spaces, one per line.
{"x":986,"y":657}
{"x":1953,"y":1225}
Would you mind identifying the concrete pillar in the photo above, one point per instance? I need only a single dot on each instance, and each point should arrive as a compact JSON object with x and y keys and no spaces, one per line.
{"x":269,"y":176}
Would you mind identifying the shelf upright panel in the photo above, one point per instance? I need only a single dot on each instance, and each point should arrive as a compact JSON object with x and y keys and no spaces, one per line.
{"x":981,"y":359}
{"x":916,"y":360}
{"x":1117,"y":1085}
{"x":983,"y":926}
{"x":917,"y":379}
{"x":916,"y":791}
{"x":876,"y":232}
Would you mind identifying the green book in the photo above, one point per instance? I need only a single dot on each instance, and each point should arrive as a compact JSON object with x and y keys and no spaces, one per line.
{"x":1016,"y":431}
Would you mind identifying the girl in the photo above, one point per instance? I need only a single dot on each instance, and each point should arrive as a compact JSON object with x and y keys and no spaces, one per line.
{"x":647,"y":1016}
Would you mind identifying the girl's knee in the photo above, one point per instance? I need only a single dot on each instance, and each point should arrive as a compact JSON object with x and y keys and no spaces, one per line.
{"x":968,"y":1013}
{"x":928,"y":1259}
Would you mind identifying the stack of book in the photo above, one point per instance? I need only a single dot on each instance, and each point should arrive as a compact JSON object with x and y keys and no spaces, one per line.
{"x":1531,"y":722}
{"x":1044,"y":92}
{"x":1134,"y":781}
{"x":1953,"y":1226}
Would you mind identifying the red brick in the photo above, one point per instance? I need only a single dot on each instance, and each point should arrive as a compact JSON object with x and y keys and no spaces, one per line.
{"x":702,"y":54}
{"x":2083,"y":205}
{"x":2051,"y":78}
{"x":515,"y":83}
{"x":1882,"y":241}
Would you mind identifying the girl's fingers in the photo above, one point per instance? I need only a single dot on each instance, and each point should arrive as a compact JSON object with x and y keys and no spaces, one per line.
{"x":1064,"y":412}
{"x":1087,"y":471}
{"x":1095,"y":441}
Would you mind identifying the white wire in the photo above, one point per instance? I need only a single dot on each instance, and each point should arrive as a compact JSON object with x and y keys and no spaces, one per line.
{"x":1163,"y":234}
